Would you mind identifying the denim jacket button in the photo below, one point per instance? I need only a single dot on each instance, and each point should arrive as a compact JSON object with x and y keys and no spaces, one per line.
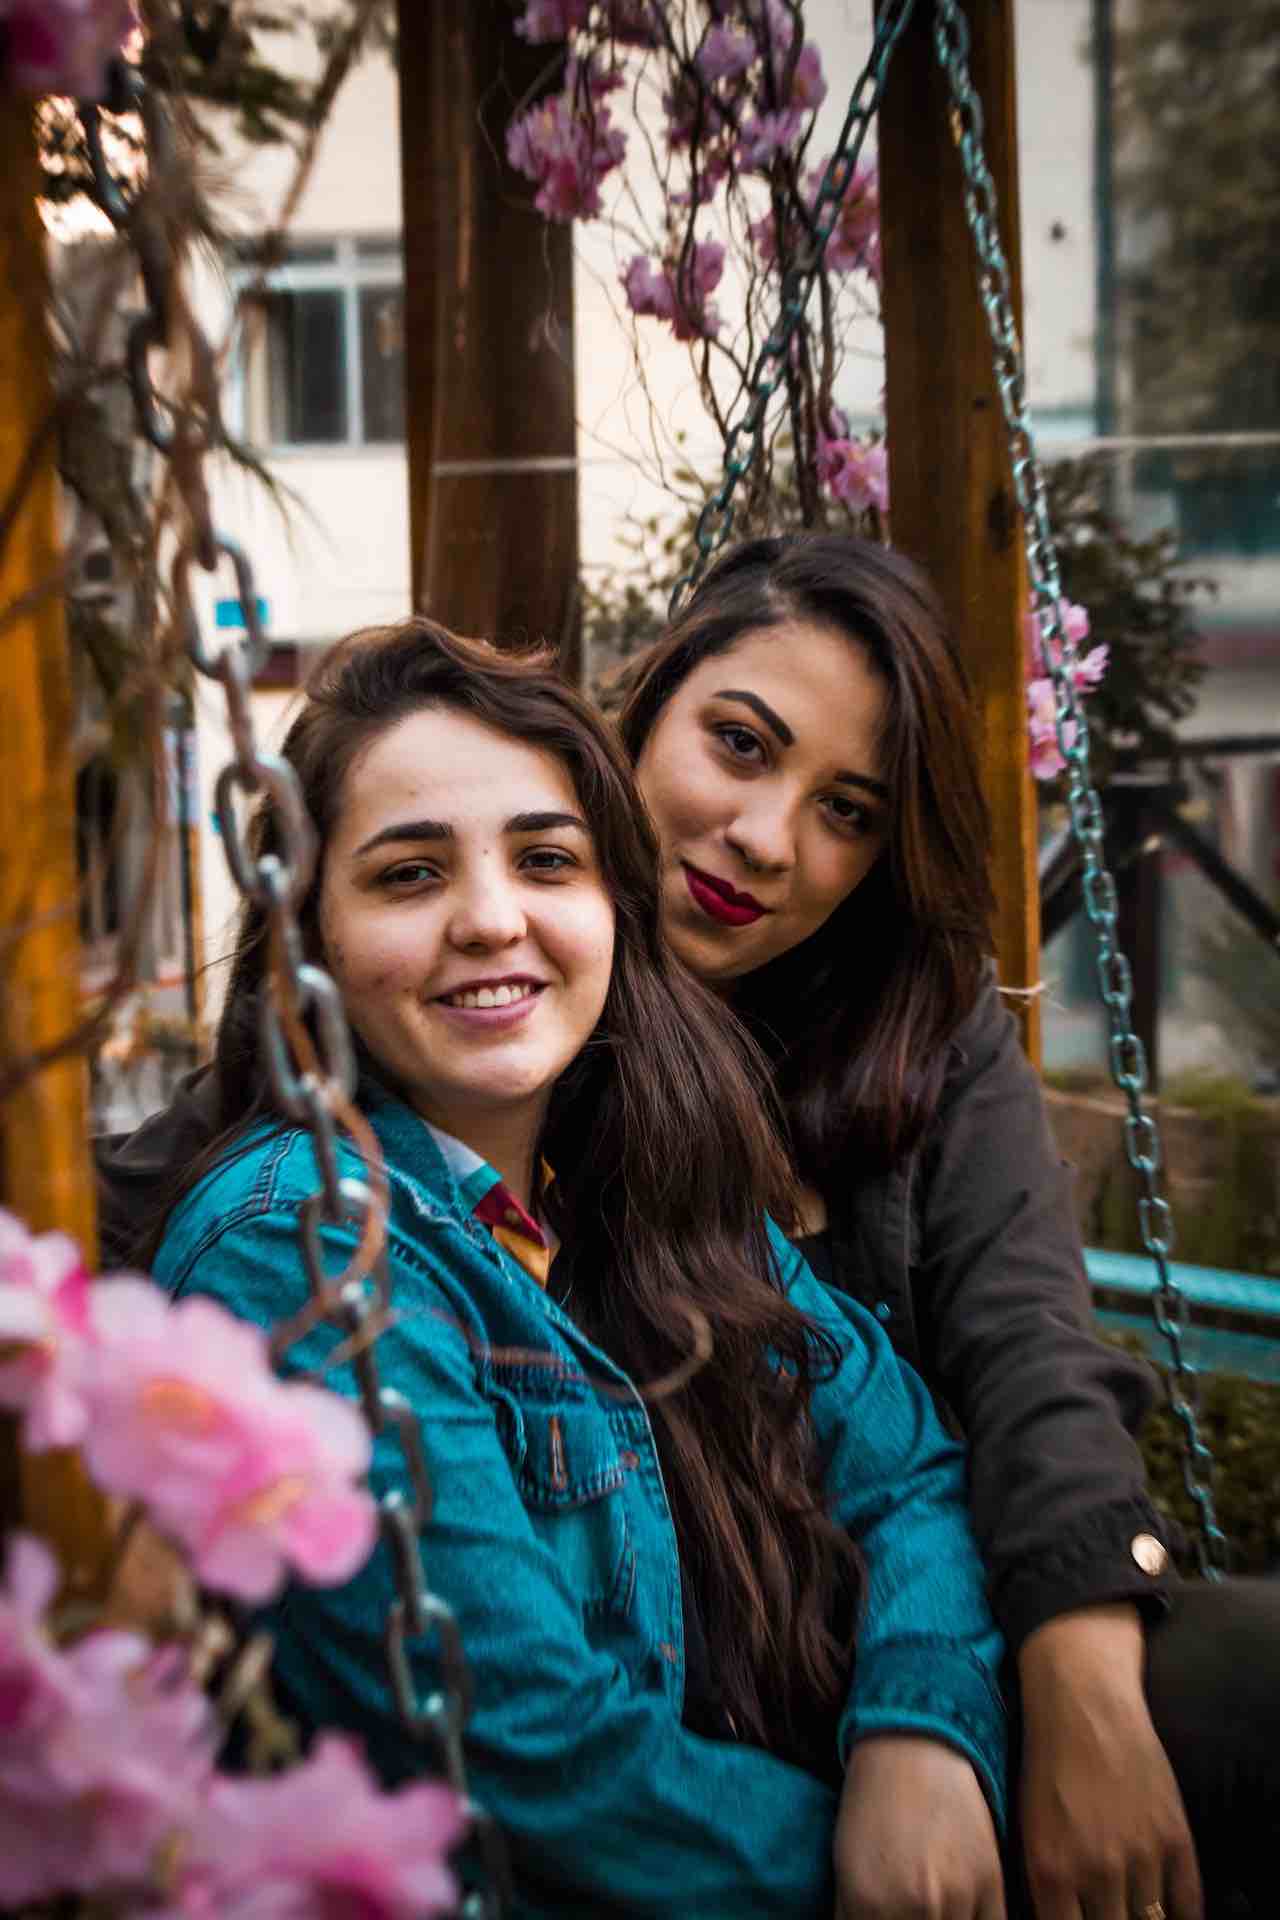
{"x":1149,"y":1554}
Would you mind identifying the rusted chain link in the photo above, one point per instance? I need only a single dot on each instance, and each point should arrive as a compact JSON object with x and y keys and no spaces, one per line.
{"x":306,"y":1044}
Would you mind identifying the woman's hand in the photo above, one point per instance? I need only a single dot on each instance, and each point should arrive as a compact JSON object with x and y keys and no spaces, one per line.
{"x":914,"y":1837}
{"x":1104,"y":1828}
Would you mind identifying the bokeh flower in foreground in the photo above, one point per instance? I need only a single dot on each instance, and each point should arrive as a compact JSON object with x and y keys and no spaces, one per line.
{"x":44,"y":1294}
{"x":251,"y":1474}
{"x":322,"y":1842}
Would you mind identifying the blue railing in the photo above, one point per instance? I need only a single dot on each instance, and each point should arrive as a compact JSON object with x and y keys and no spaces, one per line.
{"x":1234,"y":1318}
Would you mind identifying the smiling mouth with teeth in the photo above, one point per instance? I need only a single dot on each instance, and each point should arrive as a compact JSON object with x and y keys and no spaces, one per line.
{"x":502,"y":996}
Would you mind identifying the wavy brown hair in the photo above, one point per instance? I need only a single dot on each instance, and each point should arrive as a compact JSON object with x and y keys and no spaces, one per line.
{"x":856,"y":1019}
{"x":666,"y":1159}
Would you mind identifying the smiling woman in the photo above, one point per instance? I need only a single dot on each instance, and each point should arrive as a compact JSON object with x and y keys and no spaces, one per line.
{"x":675,"y":1479}
{"x":468,"y":926}
{"x":797,"y":805}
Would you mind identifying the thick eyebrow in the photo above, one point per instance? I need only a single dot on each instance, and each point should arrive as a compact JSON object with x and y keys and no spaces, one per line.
{"x":878,"y":787}
{"x":763,"y":711}
{"x":778,"y":726}
{"x":414,"y":832}
{"x":545,"y":823}
{"x":406,"y":830}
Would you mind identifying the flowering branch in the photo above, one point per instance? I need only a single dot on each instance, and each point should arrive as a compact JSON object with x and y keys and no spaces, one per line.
{"x":738,"y":86}
{"x":108,"y":1745}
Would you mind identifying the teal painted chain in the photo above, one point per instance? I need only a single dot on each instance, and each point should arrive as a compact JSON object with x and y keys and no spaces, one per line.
{"x":744,"y":439}
{"x":1128,"y":1060}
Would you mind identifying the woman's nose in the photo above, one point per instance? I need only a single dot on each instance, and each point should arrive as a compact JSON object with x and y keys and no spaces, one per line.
{"x":487,"y":911}
{"x":764,"y":839}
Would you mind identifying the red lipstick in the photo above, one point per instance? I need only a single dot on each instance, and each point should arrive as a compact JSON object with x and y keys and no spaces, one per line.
{"x":721,"y":902}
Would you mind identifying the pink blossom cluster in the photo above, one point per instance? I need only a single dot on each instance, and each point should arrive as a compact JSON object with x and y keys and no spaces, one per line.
{"x":566,"y":144}
{"x":108,"y":1786}
{"x":544,"y":20}
{"x":176,"y":1406}
{"x":774,"y":116}
{"x":853,"y":471}
{"x":679,"y":292}
{"x":1046,"y":751}
{"x":854,"y":242}
{"x":855,"y":239}
{"x":61,"y":46}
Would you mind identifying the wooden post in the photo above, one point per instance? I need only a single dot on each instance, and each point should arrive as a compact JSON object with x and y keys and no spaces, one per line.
{"x":46,"y":1174}
{"x":491,"y":418}
{"x":952,"y":498}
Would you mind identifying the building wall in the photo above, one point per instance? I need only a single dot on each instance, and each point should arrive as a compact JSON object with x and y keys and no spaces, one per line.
{"x":339,"y":556}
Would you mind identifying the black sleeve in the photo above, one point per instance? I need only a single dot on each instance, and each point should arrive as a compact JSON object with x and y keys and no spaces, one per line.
{"x":137,"y":1171}
{"x":1057,"y":1483}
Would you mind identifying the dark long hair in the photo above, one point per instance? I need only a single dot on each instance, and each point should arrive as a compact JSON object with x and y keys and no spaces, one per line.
{"x":665,"y":1159}
{"x":856,"y":1019}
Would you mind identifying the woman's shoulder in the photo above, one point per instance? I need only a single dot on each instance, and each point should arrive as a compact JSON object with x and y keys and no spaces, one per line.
{"x":273,"y":1164}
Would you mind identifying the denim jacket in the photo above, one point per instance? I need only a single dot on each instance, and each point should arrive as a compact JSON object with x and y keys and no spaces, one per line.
{"x":552,"y":1540}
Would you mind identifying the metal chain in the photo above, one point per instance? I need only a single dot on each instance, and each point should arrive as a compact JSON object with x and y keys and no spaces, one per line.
{"x":315,"y":1091}
{"x":744,"y":438}
{"x":1127,"y":1056}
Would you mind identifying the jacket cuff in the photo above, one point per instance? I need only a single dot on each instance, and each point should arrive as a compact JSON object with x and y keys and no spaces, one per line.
{"x":939,"y":1690}
{"x":1123,"y":1554}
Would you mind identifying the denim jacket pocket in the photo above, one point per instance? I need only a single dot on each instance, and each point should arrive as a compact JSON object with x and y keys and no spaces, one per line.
{"x":570,"y":1477}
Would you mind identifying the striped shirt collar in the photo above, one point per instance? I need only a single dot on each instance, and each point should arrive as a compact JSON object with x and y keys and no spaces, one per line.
{"x":489,"y":1200}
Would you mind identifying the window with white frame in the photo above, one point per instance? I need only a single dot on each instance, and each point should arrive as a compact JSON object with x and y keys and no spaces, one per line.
{"x":323,"y":364}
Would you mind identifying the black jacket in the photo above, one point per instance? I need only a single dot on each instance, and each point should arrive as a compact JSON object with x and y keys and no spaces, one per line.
{"x":970,"y":1257}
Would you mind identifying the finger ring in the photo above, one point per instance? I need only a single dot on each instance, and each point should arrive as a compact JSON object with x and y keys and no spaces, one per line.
{"x":1154,"y":1910}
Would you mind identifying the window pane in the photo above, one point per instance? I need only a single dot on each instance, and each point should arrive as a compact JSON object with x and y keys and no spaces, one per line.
{"x":382,"y":361}
{"x":382,"y":246}
{"x":306,"y":378}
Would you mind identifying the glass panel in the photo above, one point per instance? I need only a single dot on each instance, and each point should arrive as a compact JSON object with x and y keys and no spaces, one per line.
{"x":381,"y":246}
{"x":382,"y":362}
{"x":305,"y":253}
{"x":306,"y":378}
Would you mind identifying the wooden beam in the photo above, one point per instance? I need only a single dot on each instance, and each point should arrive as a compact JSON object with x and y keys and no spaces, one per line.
{"x":46,"y":1174}
{"x":952,"y":497}
{"x":491,"y":417}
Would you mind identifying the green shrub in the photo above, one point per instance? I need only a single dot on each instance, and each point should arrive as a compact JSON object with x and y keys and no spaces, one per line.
{"x":1240,"y":1422}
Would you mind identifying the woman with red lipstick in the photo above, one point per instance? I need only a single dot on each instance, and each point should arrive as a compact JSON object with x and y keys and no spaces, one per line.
{"x":659,"y":1448}
{"x":805,"y":742}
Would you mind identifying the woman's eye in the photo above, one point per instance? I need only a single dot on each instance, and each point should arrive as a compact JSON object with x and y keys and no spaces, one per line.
{"x":546,"y":860}
{"x":849,"y":815}
{"x":410,"y":873}
{"x":740,"y":741}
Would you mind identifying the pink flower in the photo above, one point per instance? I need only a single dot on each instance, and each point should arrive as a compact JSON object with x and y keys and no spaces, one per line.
{"x":724,"y":54}
{"x":764,"y":135}
{"x":62,"y":46}
{"x":551,"y":19}
{"x":855,"y":238}
{"x":567,"y":146}
{"x":808,"y":83}
{"x":648,"y":290}
{"x":44,"y":1293}
{"x":1075,"y":624}
{"x":105,"y":1750}
{"x":764,"y":238}
{"x":321,"y":1842}
{"x":250,"y":1474}
{"x":679,"y":294}
{"x":1046,"y":753}
{"x":852,"y":471}
{"x":33,"y":1684}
